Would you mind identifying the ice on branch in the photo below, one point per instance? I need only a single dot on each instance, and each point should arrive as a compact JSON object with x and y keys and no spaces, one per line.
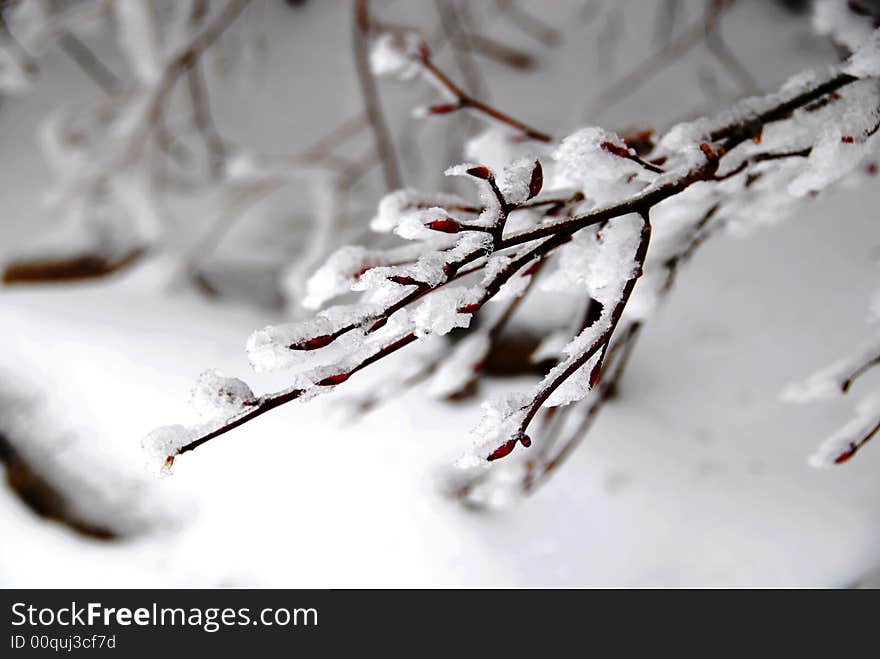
{"x":844,"y":443}
{"x":215,"y":395}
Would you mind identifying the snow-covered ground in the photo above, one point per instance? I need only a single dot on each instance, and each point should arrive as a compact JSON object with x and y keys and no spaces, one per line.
{"x":695,"y":475}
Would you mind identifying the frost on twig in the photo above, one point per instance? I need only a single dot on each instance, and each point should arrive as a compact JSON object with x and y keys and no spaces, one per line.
{"x":592,"y":214}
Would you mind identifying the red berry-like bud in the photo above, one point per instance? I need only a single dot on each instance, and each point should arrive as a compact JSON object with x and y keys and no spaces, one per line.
{"x":594,"y":374}
{"x":843,"y":457}
{"x":360,"y":273}
{"x":537,"y":180}
{"x":313,"y":343}
{"x":444,"y":108}
{"x":445,"y":225}
{"x":469,"y":308}
{"x":532,"y":269}
{"x":339,"y":378}
{"x":502,"y":451}
{"x":611,"y":147}
{"x":403,"y":280}
{"x":480,"y":171}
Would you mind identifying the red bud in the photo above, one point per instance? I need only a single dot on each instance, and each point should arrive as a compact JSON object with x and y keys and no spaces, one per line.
{"x":339,"y":378}
{"x":508,"y":446}
{"x":537,"y":181}
{"x":445,"y":225}
{"x":403,"y":280}
{"x":444,"y":108}
{"x":532,"y":269}
{"x":480,"y":171}
{"x":314,"y":343}
{"x":843,"y":457}
{"x":502,"y":451}
{"x":611,"y":147}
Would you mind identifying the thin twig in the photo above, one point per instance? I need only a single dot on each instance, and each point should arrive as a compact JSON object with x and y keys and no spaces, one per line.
{"x":370,"y":94}
{"x":90,"y":64}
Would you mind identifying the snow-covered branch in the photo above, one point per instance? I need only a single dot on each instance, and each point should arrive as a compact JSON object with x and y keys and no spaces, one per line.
{"x":465,"y":254}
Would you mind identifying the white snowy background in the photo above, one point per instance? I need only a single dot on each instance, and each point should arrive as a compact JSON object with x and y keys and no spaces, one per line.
{"x":696,"y":475}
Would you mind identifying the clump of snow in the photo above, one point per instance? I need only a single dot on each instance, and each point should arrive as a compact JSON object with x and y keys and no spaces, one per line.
{"x":215,"y":395}
{"x":586,"y":160}
{"x":439,"y":313}
{"x":599,"y":259}
{"x":842,"y":144}
{"x":412,"y":224}
{"x":396,"y":54}
{"x":163,"y":443}
{"x":501,"y":422}
{"x":514,"y":180}
{"x":491,"y":215}
{"x":336,"y":276}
